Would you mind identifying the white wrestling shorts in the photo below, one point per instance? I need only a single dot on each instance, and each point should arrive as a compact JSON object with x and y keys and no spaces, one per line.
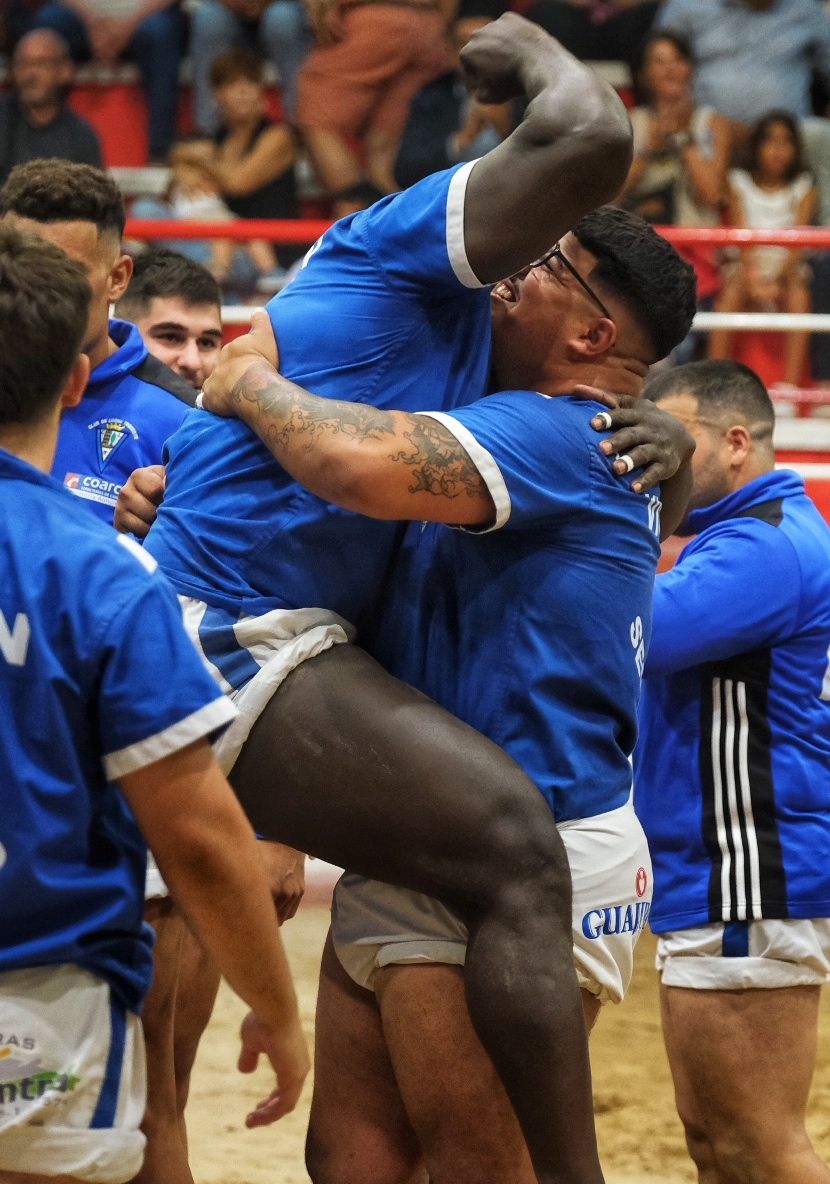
{"x":72,"y":1077}
{"x":376,"y":925}
{"x":743,"y":955}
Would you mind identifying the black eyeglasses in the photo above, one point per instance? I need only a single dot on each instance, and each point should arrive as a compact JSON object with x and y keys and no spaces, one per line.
{"x":556,"y":253}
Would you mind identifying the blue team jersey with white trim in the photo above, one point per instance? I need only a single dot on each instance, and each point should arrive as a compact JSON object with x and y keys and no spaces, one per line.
{"x":131,"y":404}
{"x":386,"y":312}
{"x":733,"y":766}
{"x":97,"y":679}
{"x":535,"y":632}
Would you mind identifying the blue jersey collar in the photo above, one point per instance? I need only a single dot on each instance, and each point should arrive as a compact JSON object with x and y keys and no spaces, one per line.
{"x":778,"y":483}
{"x":128,"y":357}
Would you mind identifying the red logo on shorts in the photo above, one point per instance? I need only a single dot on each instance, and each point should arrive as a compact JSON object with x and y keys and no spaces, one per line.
{"x":641,"y":881}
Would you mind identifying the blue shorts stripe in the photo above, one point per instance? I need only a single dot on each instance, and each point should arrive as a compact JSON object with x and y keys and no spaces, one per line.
{"x":104,"y":1116}
{"x":220,"y":646}
{"x":736,"y":939}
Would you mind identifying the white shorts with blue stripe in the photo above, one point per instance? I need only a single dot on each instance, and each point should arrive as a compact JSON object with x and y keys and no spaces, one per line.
{"x":72,"y":1077}
{"x":250,"y":656}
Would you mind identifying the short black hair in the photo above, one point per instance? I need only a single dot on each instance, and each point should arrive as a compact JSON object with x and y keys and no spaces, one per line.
{"x":759,"y":134}
{"x":644,"y":271}
{"x":722,"y":389}
{"x":62,"y":191}
{"x":162,"y":272}
{"x":44,"y":305}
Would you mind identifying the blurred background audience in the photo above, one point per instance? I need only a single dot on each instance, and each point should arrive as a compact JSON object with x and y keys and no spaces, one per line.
{"x":773,"y":193}
{"x":35,"y":121}
{"x":276,"y":109}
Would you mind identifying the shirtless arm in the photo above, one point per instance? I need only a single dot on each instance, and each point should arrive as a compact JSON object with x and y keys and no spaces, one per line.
{"x":570,"y":153}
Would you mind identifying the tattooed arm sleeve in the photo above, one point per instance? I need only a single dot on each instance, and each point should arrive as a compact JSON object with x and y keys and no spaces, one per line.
{"x":385,"y":464}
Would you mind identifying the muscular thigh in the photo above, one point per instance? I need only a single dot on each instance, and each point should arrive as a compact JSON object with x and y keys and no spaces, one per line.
{"x":742,"y":1060}
{"x":453,"y":1097}
{"x":353,"y":766}
{"x":358,"y":1127}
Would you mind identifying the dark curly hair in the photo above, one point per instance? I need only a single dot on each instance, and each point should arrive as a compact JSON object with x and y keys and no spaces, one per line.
{"x":641,"y":269}
{"x":44,"y":305}
{"x":61,"y":191}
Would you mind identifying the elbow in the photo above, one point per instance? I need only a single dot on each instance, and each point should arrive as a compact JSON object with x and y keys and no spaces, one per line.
{"x":607,"y":153}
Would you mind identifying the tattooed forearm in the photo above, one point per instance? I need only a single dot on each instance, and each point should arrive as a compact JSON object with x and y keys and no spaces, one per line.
{"x":291,"y":421}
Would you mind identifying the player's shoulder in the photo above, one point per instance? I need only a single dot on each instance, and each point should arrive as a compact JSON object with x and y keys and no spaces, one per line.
{"x":159,"y":379}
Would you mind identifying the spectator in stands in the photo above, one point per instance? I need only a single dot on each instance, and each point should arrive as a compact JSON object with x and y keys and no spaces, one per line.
{"x":175,"y":305}
{"x":281,"y":29}
{"x":681,"y":156}
{"x":597,"y":30}
{"x":775,"y":193}
{"x":35,"y":120}
{"x":149,"y":32}
{"x":249,"y":166}
{"x":446,"y":124}
{"x":371,"y":59}
{"x":753,"y":55}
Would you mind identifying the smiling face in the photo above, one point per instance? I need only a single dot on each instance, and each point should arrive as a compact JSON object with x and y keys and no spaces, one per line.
{"x":538,"y":311}
{"x":186,"y":337}
{"x":666,"y":72}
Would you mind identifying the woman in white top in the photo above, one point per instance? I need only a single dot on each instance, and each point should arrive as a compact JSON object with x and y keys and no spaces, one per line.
{"x":774,"y":193}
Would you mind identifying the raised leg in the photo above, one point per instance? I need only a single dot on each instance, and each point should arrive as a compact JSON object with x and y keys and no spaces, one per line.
{"x":351,"y":765}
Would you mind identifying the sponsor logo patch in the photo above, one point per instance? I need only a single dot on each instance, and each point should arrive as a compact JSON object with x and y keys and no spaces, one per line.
{"x":94,"y":489}
{"x":641,"y":881}
{"x":615,"y":919}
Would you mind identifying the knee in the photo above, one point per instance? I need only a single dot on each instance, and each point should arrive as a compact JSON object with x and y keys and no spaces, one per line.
{"x":701,"y":1151}
{"x":213,"y":23}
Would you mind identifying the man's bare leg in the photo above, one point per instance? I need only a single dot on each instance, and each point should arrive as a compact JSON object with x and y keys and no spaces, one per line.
{"x":742,"y":1063}
{"x":165,"y":1157}
{"x":351,"y":765}
{"x":358,"y":1130}
{"x":198,"y":985}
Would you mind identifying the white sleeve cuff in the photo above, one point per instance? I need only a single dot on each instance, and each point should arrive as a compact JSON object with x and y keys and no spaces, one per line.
{"x":456,"y":196}
{"x":199,"y":724}
{"x":486,"y":465}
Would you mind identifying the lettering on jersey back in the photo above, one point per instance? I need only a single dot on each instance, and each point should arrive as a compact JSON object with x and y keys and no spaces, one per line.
{"x":14,"y":642}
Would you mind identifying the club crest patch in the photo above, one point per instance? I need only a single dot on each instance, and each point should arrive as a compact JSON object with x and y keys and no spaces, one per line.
{"x":111,"y":434}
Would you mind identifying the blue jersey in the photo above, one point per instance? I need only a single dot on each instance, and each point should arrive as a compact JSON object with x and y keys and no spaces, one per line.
{"x":535,"y":631}
{"x":733,"y":766}
{"x":97,"y":679}
{"x":387,"y":312}
{"x":132,"y":403}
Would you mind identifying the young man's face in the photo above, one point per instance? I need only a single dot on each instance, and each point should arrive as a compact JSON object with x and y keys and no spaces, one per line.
{"x":186,"y":337}
{"x":107,"y":270}
{"x":536,"y":311}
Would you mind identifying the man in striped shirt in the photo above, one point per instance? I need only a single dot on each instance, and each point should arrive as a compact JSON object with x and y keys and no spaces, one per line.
{"x":732,"y":787}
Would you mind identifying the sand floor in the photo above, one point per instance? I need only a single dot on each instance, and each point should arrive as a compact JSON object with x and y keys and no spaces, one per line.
{"x":640,"y":1135}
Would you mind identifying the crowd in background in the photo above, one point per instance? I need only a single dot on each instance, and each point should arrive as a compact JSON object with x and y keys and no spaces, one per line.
{"x":729,"y":103}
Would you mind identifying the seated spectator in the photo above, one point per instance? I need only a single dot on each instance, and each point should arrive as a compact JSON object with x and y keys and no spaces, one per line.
{"x":358,"y":83}
{"x":446,"y":124}
{"x":597,"y":30}
{"x":681,"y":155}
{"x":35,"y":121}
{"x":753,"y":55}
{"x":149,"y":32}
{"x":246,"y":171}
{"x":279,"y":28}
{"x":775,"y":193}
